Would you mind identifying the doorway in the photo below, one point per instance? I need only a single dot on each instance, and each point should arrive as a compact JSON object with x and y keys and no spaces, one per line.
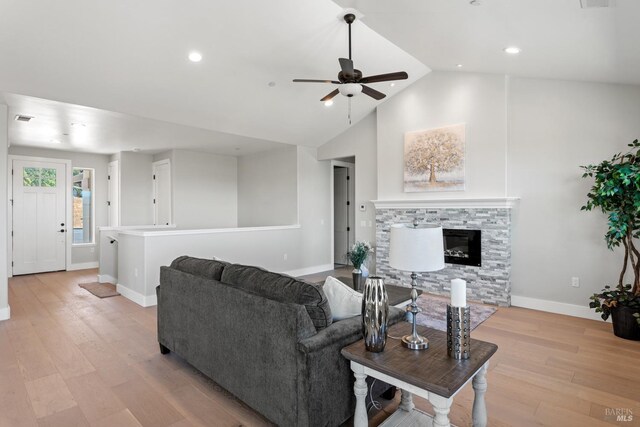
{"x":38,"y":215}
{"x":162,"y":192}
{"x":113,"y":193}
{"x":343,"y":211}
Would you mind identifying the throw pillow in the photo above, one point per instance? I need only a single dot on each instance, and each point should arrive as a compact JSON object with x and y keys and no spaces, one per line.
{"x":344,"y":301}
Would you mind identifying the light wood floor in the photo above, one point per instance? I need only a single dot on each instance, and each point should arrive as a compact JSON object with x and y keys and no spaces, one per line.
{"x":68,"y":358}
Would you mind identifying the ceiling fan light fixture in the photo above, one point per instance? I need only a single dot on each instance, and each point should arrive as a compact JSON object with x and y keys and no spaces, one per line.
{"x":350,"y":89}
{"x":328,"y":103}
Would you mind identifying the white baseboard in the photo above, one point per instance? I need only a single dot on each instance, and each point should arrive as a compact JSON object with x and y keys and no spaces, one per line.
{"x":309,"y":270}
{"x":83,"y":266}
{"x":138,"y":298}
{"x":106,"y":278}
{"x":5,"y":313}
{"x":555,"y":307}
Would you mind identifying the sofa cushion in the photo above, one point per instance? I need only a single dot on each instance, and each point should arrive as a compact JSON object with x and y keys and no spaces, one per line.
{"x":281,"y":288}
{"x":211,"y":269}
{"x":344,"y":301}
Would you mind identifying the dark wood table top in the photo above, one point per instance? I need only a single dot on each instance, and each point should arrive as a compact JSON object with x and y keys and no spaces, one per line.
{"x":429,"y":369}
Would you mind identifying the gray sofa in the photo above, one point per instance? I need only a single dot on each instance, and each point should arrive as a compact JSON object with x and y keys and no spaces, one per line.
{"x":265,"y":337}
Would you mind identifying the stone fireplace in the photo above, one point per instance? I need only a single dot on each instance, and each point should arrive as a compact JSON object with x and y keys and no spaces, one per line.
{"x":488,"y":278}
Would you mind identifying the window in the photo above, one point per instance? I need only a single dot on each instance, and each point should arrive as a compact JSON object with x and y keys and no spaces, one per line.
{"x":38,"y":177}
{"x":82,"y":205}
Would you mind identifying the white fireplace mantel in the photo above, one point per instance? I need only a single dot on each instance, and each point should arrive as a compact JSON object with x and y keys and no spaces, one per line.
{"x":478,"y":203}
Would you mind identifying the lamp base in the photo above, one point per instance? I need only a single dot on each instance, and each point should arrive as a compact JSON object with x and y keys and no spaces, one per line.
{"x":415,"y":342}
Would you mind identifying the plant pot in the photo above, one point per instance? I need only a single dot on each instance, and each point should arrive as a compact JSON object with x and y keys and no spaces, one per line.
{"x":358,"y":280}
{"x":625,"y":324}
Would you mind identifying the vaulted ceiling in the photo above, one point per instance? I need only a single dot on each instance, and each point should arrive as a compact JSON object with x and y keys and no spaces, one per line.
{"x":559,"y":39}
{"x":121,"y":67}
{"x":131,"y":57}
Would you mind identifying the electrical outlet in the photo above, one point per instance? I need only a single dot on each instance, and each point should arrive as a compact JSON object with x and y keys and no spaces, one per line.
{"x":135,"y":272}
{"x":322,"y":222}
{"x":92,"y":249}
{"x":575,"y":282}
{"x":285,"y":257}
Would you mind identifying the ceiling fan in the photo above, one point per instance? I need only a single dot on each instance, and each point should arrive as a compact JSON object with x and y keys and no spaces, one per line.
{"x":350,"y":80}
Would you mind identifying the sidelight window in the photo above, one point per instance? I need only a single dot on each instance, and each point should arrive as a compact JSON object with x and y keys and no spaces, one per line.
{"x":83,"y":185}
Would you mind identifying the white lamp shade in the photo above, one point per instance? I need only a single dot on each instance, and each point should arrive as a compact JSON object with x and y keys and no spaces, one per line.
{"x":416,"y":249}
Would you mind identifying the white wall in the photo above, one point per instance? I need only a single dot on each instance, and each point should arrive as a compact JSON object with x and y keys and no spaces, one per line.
{"x":314,"y":209}
{"x":267,"y":188}
{"x":442,"y":99}
{"x":136,"y":188}
{"x":205,"y":190}
{"x":108,"y":243}
{"x":554,"y":127}
{"x":359,"y":141}
{"x":4,"y":141}
{"x":299,"y":249}
{"x":524,"y":138}
{"x":85,"y":254}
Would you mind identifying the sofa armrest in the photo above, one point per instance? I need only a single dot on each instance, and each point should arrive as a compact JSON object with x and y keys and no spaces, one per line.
{"x":343,"y":332}
{"x":325,"y":374}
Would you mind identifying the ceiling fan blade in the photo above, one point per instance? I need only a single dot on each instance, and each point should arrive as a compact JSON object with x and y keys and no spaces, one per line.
{"x":400,"y":75}
{"x":346,"y":65}
{"x":372,"y":93}
{"x":330,"y":96}
{"x":316,"y":81}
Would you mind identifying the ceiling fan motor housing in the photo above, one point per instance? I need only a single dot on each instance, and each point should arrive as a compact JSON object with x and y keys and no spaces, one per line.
{"x":350,"y":89}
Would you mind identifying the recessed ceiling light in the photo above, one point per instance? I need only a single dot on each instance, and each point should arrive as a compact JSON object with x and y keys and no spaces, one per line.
{"x":271,"y":84}
{"x":512,"y":50}
{"x":55,"y":141}
{"x":392,"y":84}
{"x":328,"y":103}
{"x":195,"y":56}
{"x":459,"y":65}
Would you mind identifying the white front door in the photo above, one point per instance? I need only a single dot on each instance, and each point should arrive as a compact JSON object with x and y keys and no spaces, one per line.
{"x":162,"y":192}
{"x":39,"y":216}
{"x":113,"y":194}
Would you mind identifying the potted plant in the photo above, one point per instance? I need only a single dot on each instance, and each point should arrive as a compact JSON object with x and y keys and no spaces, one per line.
{"x":616,"y":191}
{"x":358,"y":255}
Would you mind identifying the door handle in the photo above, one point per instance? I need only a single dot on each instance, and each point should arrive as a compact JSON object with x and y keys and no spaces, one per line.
{"x":62,"y":230}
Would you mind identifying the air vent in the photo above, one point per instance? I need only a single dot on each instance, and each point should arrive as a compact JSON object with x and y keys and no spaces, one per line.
{"x":23,"y":118}
{"x":589,"y":4}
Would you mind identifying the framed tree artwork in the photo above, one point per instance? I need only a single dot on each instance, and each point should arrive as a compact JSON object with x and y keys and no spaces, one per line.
{"x":434,"y":159}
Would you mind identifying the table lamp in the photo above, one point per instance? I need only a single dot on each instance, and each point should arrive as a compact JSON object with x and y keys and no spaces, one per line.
{"x":416,"y":248}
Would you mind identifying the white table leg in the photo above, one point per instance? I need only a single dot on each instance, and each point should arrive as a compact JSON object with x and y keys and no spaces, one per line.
{"x":360,"y":389}
{"x":406,"y":401}
{"x":479,"y":388}
{"x":441,"y":407}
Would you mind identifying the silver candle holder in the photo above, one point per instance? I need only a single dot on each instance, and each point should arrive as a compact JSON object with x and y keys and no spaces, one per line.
{"x":458,"y":331}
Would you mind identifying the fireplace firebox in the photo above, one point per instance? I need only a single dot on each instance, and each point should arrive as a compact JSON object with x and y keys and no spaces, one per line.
{"x":462,"y":247}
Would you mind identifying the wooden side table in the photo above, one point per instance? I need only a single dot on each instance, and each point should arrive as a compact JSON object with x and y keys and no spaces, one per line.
{"x":430,"y":374}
